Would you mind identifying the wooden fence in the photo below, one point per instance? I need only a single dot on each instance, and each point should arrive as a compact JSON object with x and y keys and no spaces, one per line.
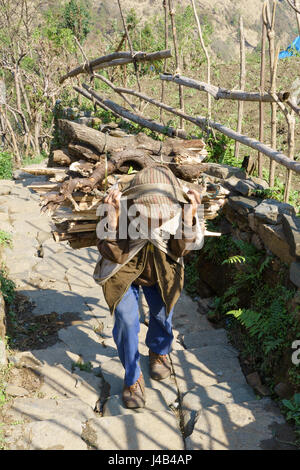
{"x":287,"y":102}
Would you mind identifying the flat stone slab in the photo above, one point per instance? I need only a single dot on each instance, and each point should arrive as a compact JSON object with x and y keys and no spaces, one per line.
{"x":59,"y":382}
{"x":187,"y":317}
{"x":113,"y":374}
{"x":201,"y":339}
{"x":274,"y":239}
{"x":81,"y":276}
{"x":48,"y":301}
{"x":82,"y":340}
{"x":295,"y":273}
{"x":243,"y":205}
{"x":199,"y":398}
{"x":205,"y":366}
{"x":270,"y":211}
{"x":223,"y":171}
{"x":53,"y":435}
{"x":246,"y":426}
{"x":40,"y":409}
{"x":154,"y":402}
{"x":140,"y":431}
{"x":291,"y":228}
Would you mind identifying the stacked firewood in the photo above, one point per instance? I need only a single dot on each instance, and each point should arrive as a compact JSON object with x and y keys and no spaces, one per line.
{"x":93,"y":161}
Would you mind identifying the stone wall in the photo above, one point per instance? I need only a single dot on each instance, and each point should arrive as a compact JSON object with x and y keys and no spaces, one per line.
{"x":266,"y":223}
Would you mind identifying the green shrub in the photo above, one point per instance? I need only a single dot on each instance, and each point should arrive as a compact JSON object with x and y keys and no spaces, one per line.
{"x":7,"y":287}
{"x":256,"y":313}
{"x":6,"y":166}
{"x":5,"y":239}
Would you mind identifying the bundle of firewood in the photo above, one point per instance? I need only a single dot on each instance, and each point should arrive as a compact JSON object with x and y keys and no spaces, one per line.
{"x":92,"y":161}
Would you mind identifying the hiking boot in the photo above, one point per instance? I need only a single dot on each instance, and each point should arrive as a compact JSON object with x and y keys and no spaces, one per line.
{"x":160,"y":367}
{"x":134,"y":395}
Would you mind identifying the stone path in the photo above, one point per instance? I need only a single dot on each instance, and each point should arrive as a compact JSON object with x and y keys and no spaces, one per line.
{"x":206,"y":404}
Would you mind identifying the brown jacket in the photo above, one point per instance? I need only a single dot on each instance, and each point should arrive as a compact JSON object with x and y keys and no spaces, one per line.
{"x":148,"y":267}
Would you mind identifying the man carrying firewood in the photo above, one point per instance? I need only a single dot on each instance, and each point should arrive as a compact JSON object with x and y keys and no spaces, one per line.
{"x":148,"y":229}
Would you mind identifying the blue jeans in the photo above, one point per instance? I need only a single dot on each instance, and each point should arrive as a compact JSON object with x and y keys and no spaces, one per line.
{"x":127,"y":326}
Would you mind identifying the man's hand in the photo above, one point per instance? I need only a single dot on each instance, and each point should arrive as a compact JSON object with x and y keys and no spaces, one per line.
{"x":113,"y":200}
{"x":191,"y":209}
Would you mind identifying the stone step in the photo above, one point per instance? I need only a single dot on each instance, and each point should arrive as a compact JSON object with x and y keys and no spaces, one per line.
{"x":140,"y":431}
{"x":206,"y":366}
{"x":200,"y":339}
{"x":194,"y":401}
{"x":42,"y":409}
{"x":154,"y":402}
{"x":244,"y":426}
{"x":113,"y":374}
{"x":187,"y":317}
{"x":54,"y":435}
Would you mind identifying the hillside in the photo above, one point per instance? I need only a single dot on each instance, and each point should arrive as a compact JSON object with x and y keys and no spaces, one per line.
{"x":223,"y":15}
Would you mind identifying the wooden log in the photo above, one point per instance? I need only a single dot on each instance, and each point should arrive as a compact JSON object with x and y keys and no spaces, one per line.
{"x":255,"y":144}
{"x":79,"y":151}
{"x":62,"y":157}
{"x":44,"y":171}
{"x":242,"y":86}
{"x":221,"y":93}
{"x":116,"y":59}
{"x":101,"y":142}
{"x":138,"y":119}
{"x":261,"y":87}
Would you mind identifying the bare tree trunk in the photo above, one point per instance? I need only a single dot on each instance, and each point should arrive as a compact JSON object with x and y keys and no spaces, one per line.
{"x":206,"y":55}
{"x":37,"y":131}
{"x":130,"y":46}
{"x":242,"y":85}
{"x":17,"y":88}
{"x":291,"y":153}
{"x":17,"y":157}
{"x":26,"y":101}
{"x":262,"y":90}
{"x":270,"y":23}
{"x":181,"y":99}
{"x":165,"y":6}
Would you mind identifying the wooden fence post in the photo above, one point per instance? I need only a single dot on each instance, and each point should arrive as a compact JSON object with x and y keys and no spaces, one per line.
{"x":242,"y":85}
{"x":206,"y":55}
{"x":181,"y":99}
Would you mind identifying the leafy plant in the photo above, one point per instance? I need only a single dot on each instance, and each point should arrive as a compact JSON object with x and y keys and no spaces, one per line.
{"x":234,"y":259}
{"x":6,"y":165}
{"x":5,"y":239}
{"x":292,"y":409}
{"x":86,"y":367}
{"x":7,"y":287}
{"x":77,"y":18}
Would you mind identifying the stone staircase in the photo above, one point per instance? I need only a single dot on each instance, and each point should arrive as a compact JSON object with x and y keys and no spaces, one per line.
{"x":206,"y":404}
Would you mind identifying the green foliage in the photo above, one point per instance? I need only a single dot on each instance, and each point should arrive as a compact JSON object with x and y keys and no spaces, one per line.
{"x":221,"y":150}
{"x":7,"y":287}
{"x":234,"y":259}
{"x":5,"y":239}
{"x":54,"y":31}
{"x":86,"y":367}
{"x":149,"y":36}
{"x":76,"y":18}
{"x":191,"y":274}
{"x":6,"y":165}
{"x":256,"y":314}
{"x":277,"y":192}
{"x":292,"y":410}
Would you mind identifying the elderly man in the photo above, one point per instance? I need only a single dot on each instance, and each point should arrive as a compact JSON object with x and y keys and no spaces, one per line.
{"x":161,"y":225}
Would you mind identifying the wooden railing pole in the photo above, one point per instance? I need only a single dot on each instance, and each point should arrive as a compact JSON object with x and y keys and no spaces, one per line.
{"x":242,"y":85}
{"x":262,"y":90}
